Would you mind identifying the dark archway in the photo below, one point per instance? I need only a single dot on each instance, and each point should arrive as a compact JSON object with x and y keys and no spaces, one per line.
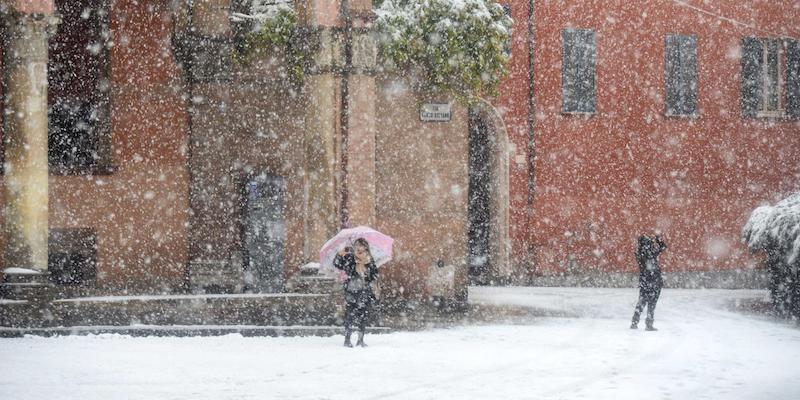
{"x":488,"y":202}
{"x":263,"y":233}
{"x":479,"y":205}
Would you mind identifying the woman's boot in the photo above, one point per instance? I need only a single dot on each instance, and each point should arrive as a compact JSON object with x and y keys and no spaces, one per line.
{"x":360,"y":341}
{"x":347,"y":338}
{"x":649,"y":325}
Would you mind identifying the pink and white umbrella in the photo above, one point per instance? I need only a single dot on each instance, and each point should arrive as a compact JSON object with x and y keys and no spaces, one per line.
{"x":380,"y":245}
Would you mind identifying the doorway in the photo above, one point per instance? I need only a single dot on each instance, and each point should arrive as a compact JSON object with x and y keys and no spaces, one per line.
{"x":479,"y":194}
{"x":264,"y":233}
{"x":488,"y":243}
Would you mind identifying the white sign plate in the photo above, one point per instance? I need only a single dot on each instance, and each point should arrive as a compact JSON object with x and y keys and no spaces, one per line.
{"x":435,"y":112}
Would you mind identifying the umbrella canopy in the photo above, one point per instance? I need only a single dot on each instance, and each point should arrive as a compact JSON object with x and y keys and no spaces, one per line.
{"x":380,"y":245}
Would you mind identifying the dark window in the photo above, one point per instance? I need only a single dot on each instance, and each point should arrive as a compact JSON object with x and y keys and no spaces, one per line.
{"x":480,"y":200}
{"x":578,"y":70}
{"x":78,"y":85}
{"x":770,"y":77}
{"x":72,"y":257}
{"x":681,"y":74}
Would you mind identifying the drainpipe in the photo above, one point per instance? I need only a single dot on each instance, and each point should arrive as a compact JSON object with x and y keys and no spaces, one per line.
{"x":181,"y":48}
{"x":345,"y":109}
{"x":529,"y":250}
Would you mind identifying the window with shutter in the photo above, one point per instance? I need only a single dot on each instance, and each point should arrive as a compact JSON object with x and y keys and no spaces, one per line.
{"x":680,"y":75}
{"x":770,"y":77}
{"x":578,"y":57}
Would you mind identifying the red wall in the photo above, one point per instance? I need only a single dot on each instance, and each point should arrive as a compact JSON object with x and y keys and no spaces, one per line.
{"x":513,"y":105}
{"x":604,"y":179}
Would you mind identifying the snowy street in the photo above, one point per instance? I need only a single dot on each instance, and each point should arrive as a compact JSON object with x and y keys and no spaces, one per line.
{"x":701,"y":351}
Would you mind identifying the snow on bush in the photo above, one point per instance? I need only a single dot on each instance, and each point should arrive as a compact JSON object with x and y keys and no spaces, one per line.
{"x":275,"y":28}
{"x":262,"y":10}
{"x":776,"y":227}
{"x":462,"y":46}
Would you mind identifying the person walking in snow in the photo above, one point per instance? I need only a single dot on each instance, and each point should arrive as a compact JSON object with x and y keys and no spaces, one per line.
{"x":650,"y":281}
{"x":360,"y":287}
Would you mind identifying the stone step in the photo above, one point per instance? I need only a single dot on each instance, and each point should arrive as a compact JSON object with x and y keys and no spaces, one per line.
{"x":313,"y":284}
{"x":22,"y":283}
{"x":25,"y":290}
{"x":283,"y":309}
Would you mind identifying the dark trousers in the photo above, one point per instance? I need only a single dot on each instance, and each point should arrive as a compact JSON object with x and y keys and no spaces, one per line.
{"x":356,"y":314}
{"x":647,"y":297}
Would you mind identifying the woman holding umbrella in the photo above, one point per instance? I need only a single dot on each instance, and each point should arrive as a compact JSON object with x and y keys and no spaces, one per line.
{"x":360,"y":287}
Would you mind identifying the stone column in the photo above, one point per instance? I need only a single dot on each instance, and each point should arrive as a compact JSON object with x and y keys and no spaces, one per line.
{"x":26,"y":162}
{"x":203,"y":43}
{"x":361,"y":58}
{"x":322,"y":117}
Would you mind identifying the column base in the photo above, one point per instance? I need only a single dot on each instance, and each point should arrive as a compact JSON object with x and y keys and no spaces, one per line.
{"x":26,"y":284}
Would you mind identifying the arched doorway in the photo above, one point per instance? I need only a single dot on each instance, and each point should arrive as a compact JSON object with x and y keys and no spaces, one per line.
{"x":487,"y":229}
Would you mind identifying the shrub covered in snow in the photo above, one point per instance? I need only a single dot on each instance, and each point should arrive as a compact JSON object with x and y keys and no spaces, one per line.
{"x":275,"y":29}
{"x":462,"y":46}
{"x":775,"y":230}
{"x":777,"y":226}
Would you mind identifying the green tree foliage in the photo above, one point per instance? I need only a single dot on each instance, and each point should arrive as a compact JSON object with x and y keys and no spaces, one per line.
{"x":278,"y":32}
{"x":462,"y":46}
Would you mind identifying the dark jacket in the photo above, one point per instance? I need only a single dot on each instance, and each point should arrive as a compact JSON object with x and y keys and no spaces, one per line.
{"x":356,"y":289}
{"x":647,"y":256}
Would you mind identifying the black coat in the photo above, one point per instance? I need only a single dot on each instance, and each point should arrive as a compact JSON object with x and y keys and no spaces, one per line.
{"x":647,"y":257}
{"x":356,"y":290}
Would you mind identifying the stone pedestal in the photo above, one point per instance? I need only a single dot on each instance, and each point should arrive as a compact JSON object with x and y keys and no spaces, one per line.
{"x":26,"y":284}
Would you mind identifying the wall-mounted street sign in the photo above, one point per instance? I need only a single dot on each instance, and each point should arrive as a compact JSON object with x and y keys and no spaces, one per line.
{"x":435,"y":112}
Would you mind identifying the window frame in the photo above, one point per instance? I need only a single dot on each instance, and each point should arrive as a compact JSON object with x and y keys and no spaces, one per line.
{"x":100,"y":105}
{"x":571,"y":69}
{"x":676,"y":73}
{"x":757,"y":64}
{"x":763,"y":110}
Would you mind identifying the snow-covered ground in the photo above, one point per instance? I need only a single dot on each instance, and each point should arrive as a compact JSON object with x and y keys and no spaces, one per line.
{"x":701,"y":351}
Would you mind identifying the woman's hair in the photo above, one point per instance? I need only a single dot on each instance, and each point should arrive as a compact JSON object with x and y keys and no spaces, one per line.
{"x":361,"y":242}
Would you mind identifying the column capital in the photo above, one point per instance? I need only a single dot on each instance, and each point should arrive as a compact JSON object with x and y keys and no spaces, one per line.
{"x":365,"y":52}
{"x":37,"y":20}
{"x":327,"y":50}
{"x":28,"y":6}
{"x":24,"y":26}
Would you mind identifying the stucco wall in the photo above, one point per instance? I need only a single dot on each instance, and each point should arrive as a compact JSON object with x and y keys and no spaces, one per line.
{"x":421,"y":185}
{"x":603,"y":179}
{"x":512,"y":103}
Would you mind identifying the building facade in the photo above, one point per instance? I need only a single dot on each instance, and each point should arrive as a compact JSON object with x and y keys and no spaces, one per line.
{"x":684,"y":118}
{"x":172,"y":167}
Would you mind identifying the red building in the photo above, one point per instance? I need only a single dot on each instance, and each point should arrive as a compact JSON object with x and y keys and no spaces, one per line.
{"x":671,"y":116}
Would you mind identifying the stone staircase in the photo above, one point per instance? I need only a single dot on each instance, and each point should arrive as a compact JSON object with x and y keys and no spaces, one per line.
{"x":21,"y":283}
{"x":311,"y":305}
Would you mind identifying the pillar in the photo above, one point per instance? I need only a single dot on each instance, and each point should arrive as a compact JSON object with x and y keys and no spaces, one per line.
{"x":360,"y":64}
{"x":25,"y":140}
{"x":322,"y":119}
